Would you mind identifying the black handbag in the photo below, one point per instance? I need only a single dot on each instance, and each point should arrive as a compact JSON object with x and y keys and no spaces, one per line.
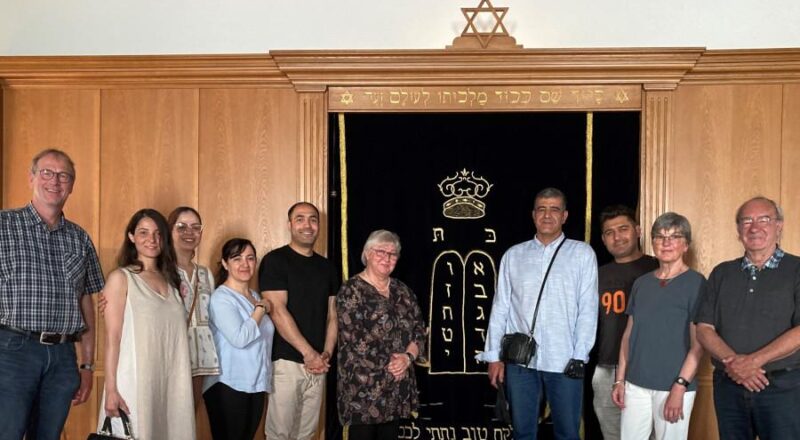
{"x":106,"y":433}
{"x":519,"y":348}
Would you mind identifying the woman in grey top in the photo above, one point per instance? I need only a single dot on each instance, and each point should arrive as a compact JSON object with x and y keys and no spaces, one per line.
{"x":660,"y":354}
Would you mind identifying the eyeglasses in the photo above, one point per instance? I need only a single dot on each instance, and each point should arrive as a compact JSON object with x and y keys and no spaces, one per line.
{"x":63,"y":176}
{"x":380,"y":253}
{"x":659,"y":238}
{"x":183,"y":228}
{"x":763,"y":220}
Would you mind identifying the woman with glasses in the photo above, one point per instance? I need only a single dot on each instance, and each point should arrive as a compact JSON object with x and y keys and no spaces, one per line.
{"x":381,"y":334}
{"x":147,"y":368}
{"x":659,"y":354}
{"x":197,"y":284}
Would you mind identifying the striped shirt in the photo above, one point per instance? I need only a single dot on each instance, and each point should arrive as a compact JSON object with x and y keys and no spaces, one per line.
{"x":44,"y":273}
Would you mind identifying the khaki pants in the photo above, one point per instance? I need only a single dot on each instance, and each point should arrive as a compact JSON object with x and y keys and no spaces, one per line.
{"x":295,"y":401}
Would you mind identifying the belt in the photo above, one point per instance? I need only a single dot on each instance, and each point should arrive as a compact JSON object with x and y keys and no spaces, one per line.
{"x":46,"y":338}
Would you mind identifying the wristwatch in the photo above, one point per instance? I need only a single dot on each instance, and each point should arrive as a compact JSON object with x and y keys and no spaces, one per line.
{"x":410,"y":357}
{"x":89,"y":367}
{"x":681,"y":381}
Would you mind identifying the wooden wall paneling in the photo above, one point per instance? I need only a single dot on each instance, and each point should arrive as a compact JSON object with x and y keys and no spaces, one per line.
{"x":656,"y":142}
{"x":726,"y":144}
{"x":148,"y":157}
{"x":790,"y":164}
{"x":68,"y":120}
{"x":313,"y":160}
{"x":726,"y":150}
{"x":248,"y":167}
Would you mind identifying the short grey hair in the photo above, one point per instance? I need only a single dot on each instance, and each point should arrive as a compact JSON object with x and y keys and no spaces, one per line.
{"x":672,"y":220}
{"x":778,"y":209}
{"x":52,"y":152}
{"x":551,"y":193}
{"x":379,"y":237}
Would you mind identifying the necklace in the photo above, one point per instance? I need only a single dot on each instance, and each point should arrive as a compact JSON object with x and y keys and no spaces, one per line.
{"x":375,"y":284}
{"x":664,"y":281}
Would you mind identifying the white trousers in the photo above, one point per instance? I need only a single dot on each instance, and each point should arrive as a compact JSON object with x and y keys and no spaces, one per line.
{"x":644,"y":414}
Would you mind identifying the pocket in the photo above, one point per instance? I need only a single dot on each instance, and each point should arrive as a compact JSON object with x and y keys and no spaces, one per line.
{"x":73,"y":264}
{"x":11,"y":342}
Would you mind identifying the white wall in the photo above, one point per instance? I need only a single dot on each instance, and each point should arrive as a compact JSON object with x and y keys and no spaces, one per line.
{"x":76,"y":27}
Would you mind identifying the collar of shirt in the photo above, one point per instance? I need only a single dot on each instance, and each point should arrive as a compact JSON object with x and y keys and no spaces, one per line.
{"x":32,"y":217}
{"x":772,"y":263}
{"x":552,"y":244}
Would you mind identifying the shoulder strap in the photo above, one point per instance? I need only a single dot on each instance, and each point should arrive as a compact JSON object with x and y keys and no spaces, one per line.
{"x":195,"y":293}
{"x":544,"y":281}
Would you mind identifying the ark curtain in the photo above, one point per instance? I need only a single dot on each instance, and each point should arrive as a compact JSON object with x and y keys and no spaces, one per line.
{"x":458,"y":188}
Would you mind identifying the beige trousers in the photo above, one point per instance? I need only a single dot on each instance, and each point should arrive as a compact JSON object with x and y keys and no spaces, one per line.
{"x":295,"y":401}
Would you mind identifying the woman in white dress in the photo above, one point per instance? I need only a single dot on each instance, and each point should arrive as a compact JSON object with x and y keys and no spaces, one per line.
{"x":197,"y":285}
{"x":148,"y":372}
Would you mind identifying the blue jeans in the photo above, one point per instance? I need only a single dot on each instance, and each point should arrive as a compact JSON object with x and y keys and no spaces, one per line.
{"x":524,"y":388}
{"x":770,"y":414}
{"x":37,"y":384}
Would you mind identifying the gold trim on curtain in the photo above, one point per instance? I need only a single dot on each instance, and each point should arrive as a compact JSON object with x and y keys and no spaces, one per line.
{"x":587,"y":233}
{"x":343,"y":197}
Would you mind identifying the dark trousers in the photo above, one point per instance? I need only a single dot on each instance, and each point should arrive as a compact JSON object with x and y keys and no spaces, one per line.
{"x":37,"y":384}
{"x":770,"y":414}
{"x":379,"y":431}
{"x":233,"y":415}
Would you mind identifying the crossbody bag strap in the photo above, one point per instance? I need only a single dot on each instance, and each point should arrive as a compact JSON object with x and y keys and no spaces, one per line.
{"x":195,"y":294}
{"x":544,"y":281}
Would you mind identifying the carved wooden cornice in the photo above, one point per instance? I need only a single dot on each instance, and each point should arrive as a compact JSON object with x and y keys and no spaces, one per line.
{"x":484,"y":67}
{"x":311,"y":71}
{"x":141,"y":71}
{"x":746,"y":66}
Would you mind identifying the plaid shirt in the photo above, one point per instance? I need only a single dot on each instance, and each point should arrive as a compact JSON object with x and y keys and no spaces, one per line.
{"x":772,"y":262}
{"x":44,"y":273}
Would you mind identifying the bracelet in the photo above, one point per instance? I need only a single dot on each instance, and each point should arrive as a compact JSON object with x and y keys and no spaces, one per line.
{"x":410,"y":357}
{"x":617,"y":382}
{"x":262,"y":306}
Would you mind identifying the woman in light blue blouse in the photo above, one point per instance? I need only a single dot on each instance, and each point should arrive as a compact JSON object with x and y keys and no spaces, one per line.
{"x":243,"y":334}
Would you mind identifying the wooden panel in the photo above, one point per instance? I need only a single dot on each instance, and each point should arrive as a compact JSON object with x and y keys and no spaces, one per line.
{"x":148,"y":158}
{"x":790,"y":164}
{"x":64,"y":119}
{"x":248,"y":174}
{"x":726,"y":149}
{"x":653,"y":186}
{"x":68,"y":120}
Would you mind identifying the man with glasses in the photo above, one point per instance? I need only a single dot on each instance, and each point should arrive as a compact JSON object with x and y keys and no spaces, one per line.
{"x":48,"y":269}
{"x":748,"y":319}
{"x":565,"y":326}
{"x":301,"y":285}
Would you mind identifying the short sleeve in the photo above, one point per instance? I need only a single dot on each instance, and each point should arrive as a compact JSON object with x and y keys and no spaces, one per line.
{"x":94,"y":274}
{"x":707,"y":303}
{"x":273,"y":273}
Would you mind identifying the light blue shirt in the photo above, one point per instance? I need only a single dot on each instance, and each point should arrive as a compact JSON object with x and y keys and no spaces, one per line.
{"x":244,"y":347}
{"x":567,"y":322}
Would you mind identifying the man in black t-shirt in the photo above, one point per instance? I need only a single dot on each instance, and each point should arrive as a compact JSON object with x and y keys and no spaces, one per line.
{"x":620,"y":233}
{"x":301,"y":285}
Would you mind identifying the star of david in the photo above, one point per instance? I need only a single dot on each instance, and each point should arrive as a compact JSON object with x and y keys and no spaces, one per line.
{"x":484,"y":37}
{"x":347,"y":98}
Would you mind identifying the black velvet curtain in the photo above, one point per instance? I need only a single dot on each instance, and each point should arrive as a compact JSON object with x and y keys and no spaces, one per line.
{"x":458,"y":188}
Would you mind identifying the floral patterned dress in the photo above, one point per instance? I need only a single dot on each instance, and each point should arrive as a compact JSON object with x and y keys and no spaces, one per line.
{"x":372,"y":328}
